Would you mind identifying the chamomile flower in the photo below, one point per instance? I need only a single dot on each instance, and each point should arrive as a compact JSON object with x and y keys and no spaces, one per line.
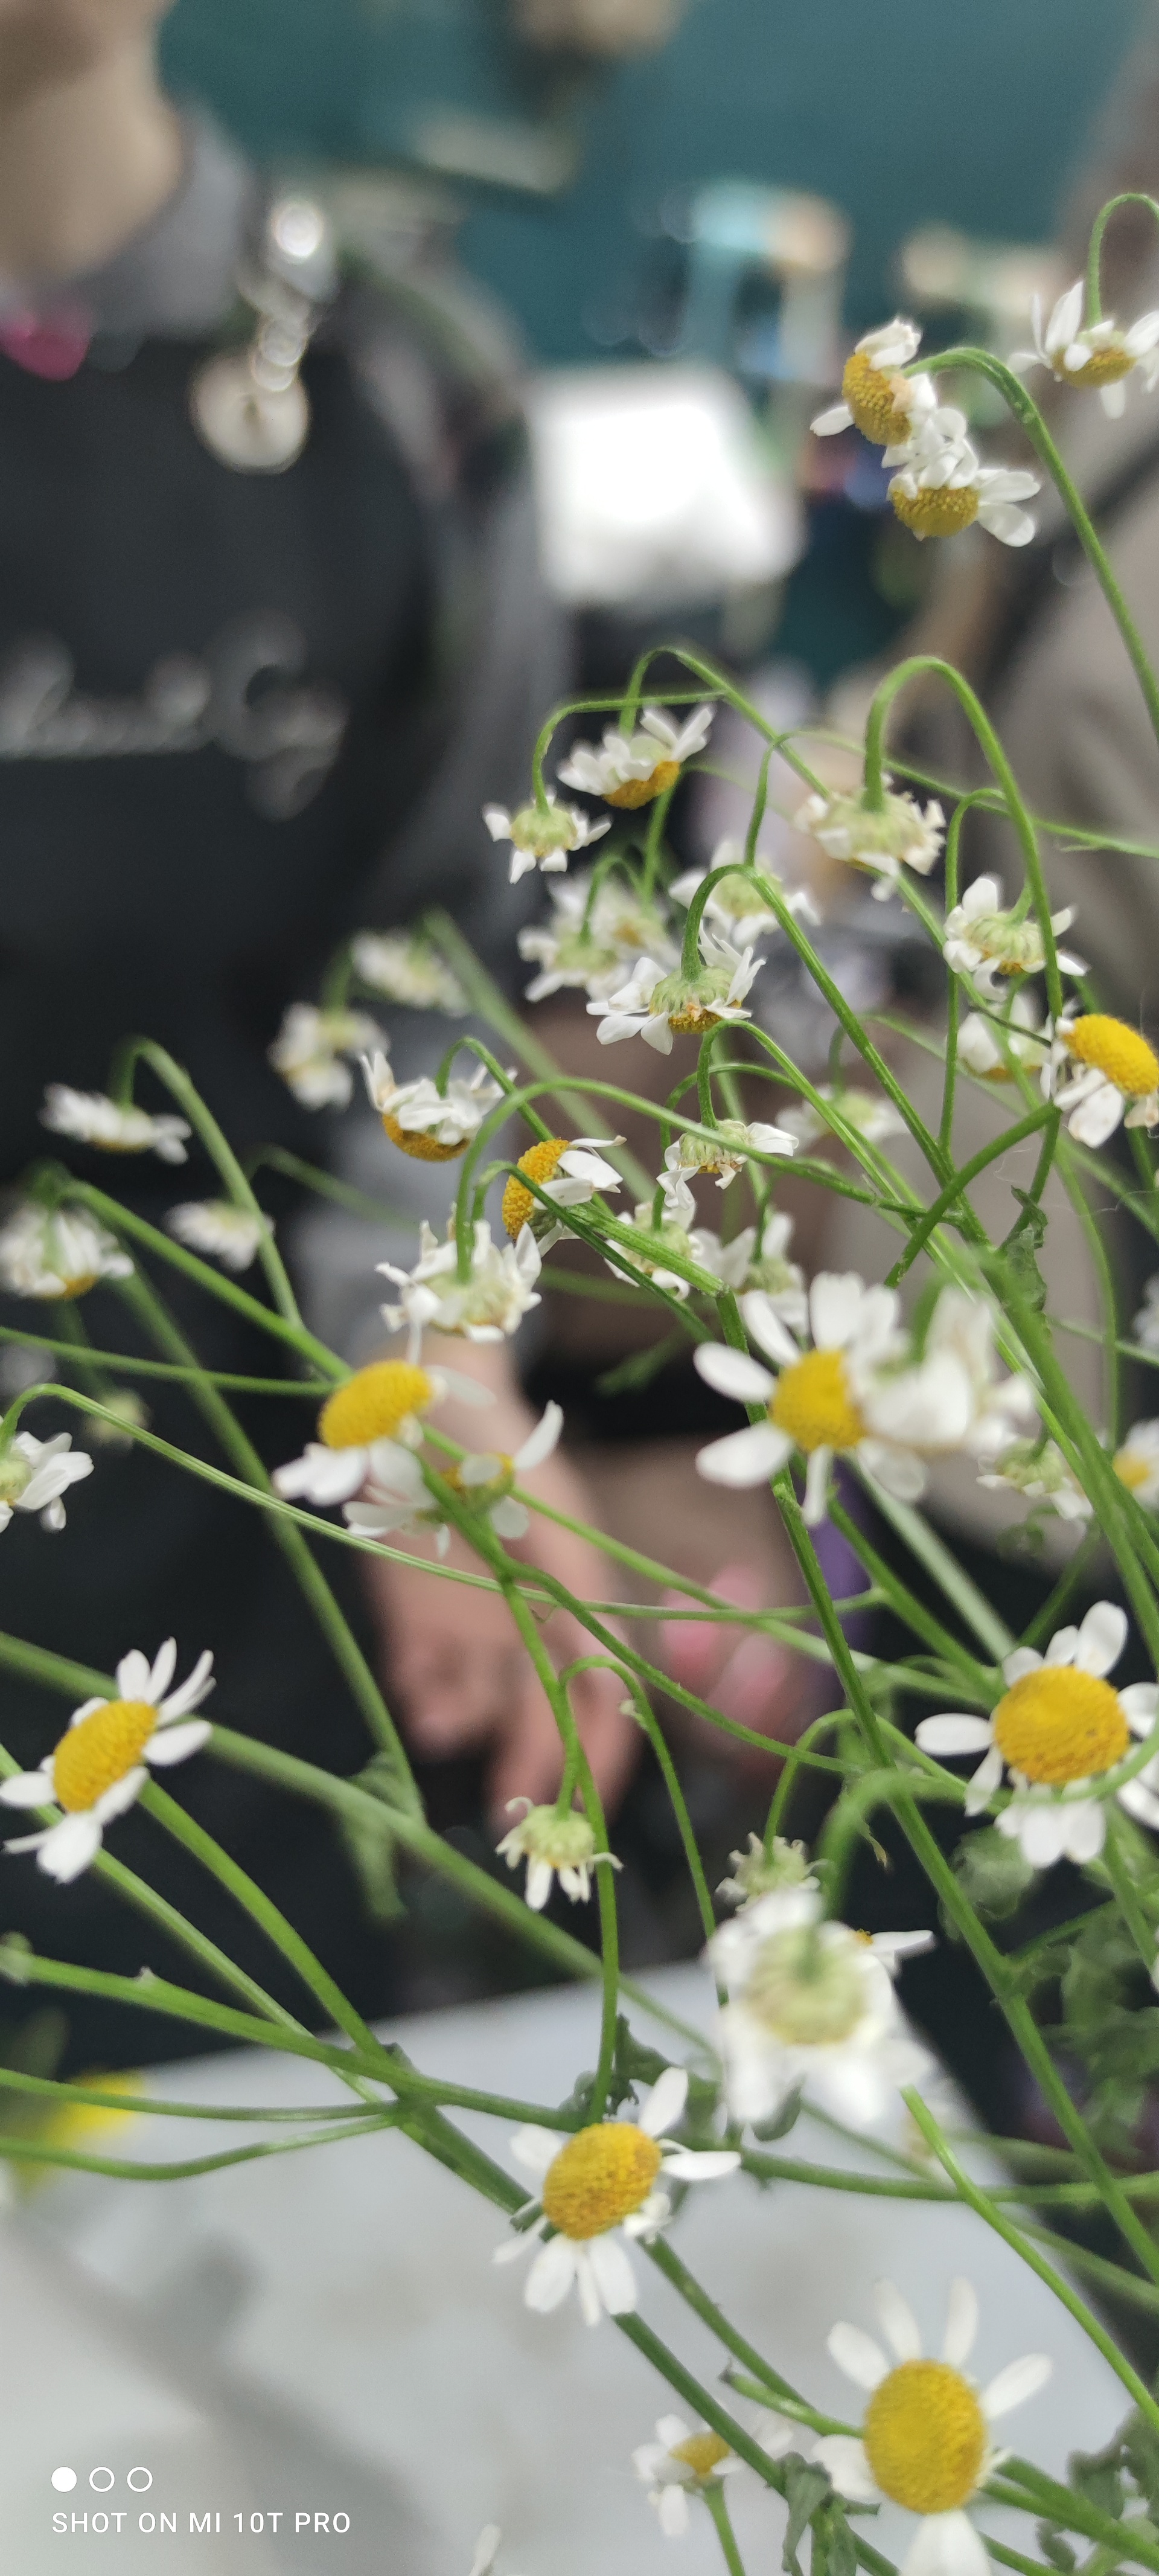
{"x":942,"y":487}
{"x":553,"y":1846}
{"x":1059,"y":1725}
{"x":811,"y":2007}
{"x":1093,"y":355}
{"x":657,"y":1006}
{"x":736,"y":905}
{"x":677,"y":1232}
{"x":592,"y":941}
{"x":96,"y":1120}
{"x":604,"y":2183}
{"x":35,"y":1474}
{"x":377,"y":1409}
{"x":215,"y":1226}
{"x":569,"y":1171}
{"x":1136,"y":1464}
{"x":404,"y":967}
{"x":987,"y":942}
{"x":430,"y":1124}
{"x":725,"y":1152}
{"x":57,"y":1252}
{"x":101,"y":1765}
{"x":632,"y":769}
{"x":1146,"y":1323}
{"x":759,"y":1872}
{"x":1106,"y":1069}
{"x":993,"y":1050}
{"x":397,"y":1497}
{"x":926,"y":2439}
{"x":880,"y":840}
{"x":868,"y":1112}
{"x":542,"y":836}
{"x":309,"y":1049}
{"x":491,"y":1302}
{"x":875,"y":397}
{"x":679,"y":2463}
{"x":1039,"y":1470}
{"x":757,"y":1260}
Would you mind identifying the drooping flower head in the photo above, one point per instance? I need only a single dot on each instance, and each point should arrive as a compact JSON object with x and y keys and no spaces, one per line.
{"x":926,"y":2438}
{"x":1038,"y":1469}
{"x":756,"y":1258}
{"x":811,"y":2005}
{"x":605,"y":2182}
{"x":942,"y":486}
{"x":100,"y":1767}
{"x":569,"y":1171}
{"x":404,"y":967}
{"x":657,"y":1007}
{"x":380,"y":1407}
{"x":868,"y":1112}
{"x":760,"y":1872}
{"x":488,"y":1304}
{"x":1099,"y":1069}
{"x":880,"y":840}
{"x":96,"y":1120}
{"x":57,"y":1252}
{"x":724,"y":1153}
{"x":1058,"y":1726}
{"x":553,"y":1846}
{"x":736,"y":905}
{"x":1095,"y":356}
{"x":631,"y":769}
{"x":397,"y":1498}
{"x":432,"y":1125}
{"x":219,"y":1229}
{"x":875,"y":397}
{"x":988,"y":943}
{"x":994,"y":1050}
{"x":310,"y":1048}
{"x":677,"y":1232}
{"x":36,"y":1474}
{"x":592,"y":941}
{"x":542,"y":838}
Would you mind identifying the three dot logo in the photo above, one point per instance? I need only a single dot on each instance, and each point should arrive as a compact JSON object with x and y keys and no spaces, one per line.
{"x":101,"y":2479}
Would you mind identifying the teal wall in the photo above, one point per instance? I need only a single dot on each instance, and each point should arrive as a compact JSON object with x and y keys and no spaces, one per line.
{"x":904,"y":111}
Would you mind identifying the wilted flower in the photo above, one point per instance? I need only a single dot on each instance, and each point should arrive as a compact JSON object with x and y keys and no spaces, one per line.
{"x":942,"y":487}
{"x":1117,"y":1071}
{"x":759,"y":1872}
{"x":569,"y":1171}
{"x":553,"y":1846}
{"x":379,"y":1406}
{"x":993,"y":1050}
{"x":677,"y":1232}
{"x":57,"y":1252}
{"x":986,"y":942}
{"x":736,"y":905}
{"x":869,"y":1112}
{"x":101,"y":1766}
{"x":876,"y":398}
{"x":880,"y":840}
{"x":1095,"y":355}
{"x":432,"y":1125}
{"x":656,"y":1006}
{"x":542,"y":836}
{"x":309,"y":1049}
{"x":811,"y":2007}
{"x":34,"y":1474}
{"x":591,"y":942}
{"x":489,"y":1303}
{"x":96,"y":1120}
{"x":1039,"y":1470}
{"x":216,"y":1227}
{"x":397,"y":1498}
{"x":405,"y":967}
{"x":725,"y":1152}
{"x":631,"y":769}
{"x":747,"y":1263}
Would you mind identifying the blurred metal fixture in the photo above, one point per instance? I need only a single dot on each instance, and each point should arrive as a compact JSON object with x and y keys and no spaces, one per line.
{"x":734,"y":230}
{"x":249,"y":406}
{"x":654,"y":491}
{"x":612,"y":28}
{"x":993,"y":282}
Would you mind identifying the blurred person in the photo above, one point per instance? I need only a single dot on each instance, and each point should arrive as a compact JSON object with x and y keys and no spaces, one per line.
{"x":243,"y":713}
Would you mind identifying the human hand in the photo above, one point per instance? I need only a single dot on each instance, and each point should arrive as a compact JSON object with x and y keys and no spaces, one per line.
{"x":46,"y":43}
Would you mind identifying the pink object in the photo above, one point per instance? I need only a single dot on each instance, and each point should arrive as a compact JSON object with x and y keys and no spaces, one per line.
{"x":53,"y":346}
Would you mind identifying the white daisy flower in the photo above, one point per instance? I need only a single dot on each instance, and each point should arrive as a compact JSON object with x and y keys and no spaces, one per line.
{"x":101,"y":1766}
{"x":736,"y":904}
{"x":217,"y":1228}
{"x":1106,"y":1068}
{"x":1095,"y":355}
{"x":1039,"y":1470}
{"x":811,"y":2007}
{"x":603,"y":2183}
{"x":553,"y":1846}
{"x":756,"y":1873}
{"x":677,"y":1232}
{"x":592,"y":942}
{"x":95,"y":1120}
{"x":679,"y":2463}
{"x":993,"y":1052}
{"x":34,"y":1474}
{"x":1146,"y":1324}
{"x":486,"y":1306}
{"x":926,"y":2439}
{"x":879,"y":840}
{"x":748,"y":1262}
{"x":309,"y":1049}
{"x":542,"y":839}
{"x":876,"y":398}
{"x":377,"y":1408}
{"x":986,"y":942}
{"x":869,"y":1112}
{"x":430,"y":1124}
{"x":1136,"y":1464}
{"x":404,"y":967}
{"x":398,"y":1498}
{"x":57,"y":1252}
{"x":569,"y":1171}
{"x":656,"y":1006}
{"x":725,"y":1152}
{"x":942,"y":487}
{"x":631,"y":769}
{"x":1058,"y":1726}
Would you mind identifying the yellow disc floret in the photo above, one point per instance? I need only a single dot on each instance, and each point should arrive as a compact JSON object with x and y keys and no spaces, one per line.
{"x":599,"y":2178}
{"x":925,"y":2437}
{"x":93,"y":1756}
{"x":872,"y":398}
{"x":935,"y":512}
{"x":374,"y":1404}
{"x":701,"y":2452}
{"x":1133,"y":1468}
{"x":1103,"y":367}
{"x":1058,"y":1725}
{"x":814,"y":1405}
{"x":520,"y":1204}
{"x":633,"y":792}
{"x":426,"y":1149}
{"x":694,"y":1020}
{"x":1116,"y":1050}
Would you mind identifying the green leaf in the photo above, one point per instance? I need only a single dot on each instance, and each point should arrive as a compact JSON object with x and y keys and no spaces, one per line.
{"x":1054,"y":2547}
{"x":992,"y":1874}
{"x":805,"y":2489}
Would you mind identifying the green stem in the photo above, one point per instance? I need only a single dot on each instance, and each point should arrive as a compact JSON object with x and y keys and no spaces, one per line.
{"x":134,"y":1051}
{"x":713,"y":2494}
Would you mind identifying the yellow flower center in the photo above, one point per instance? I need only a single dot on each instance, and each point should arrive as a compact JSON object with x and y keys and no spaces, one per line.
{"x":599,"y":2178}
{"x":925,"y":2437}
{"x":1058,"y":1725}
{"x":1132,"y":1468}
{"x":814,"y":1406}
{"x":694,"y":1018}
{"x":374,"y":1404}
{"x":1116,"y":1050}
{"x":930,"y":513}
{"x":640,"y":791}
{"x":79,"y":1284}
{"x":701,"y":2452}
{"x":871,"y":396}
{"x":98,"y":1752}
{"x":426,"y":1149}
{"x":1103,"y":367}
{"x":520,"y":1204}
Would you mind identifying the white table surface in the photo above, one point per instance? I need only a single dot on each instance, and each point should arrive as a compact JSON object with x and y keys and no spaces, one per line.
{"x":326,"y":2332}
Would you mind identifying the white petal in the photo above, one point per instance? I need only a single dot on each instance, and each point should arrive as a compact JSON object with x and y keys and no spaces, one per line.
{"x":835,"y":1303}
{"x":671,"y":2429}
{"x":1061,"y":1649}
{"x":615,"y":2278}
{"x":829,"y":422}
{"x":123,"y":1794}
{"x":954,"y":1732}
{"x":845,"y":2459}
{"x":763,"y":1322}
{"x":899,"y":1470}
{"x":1039,"y":1828}
{"x":1084,"y":1828}
{"x":86,"y":1709}
{"x":176,"y":1743}
{"x":69,"y":1848}
{"x":27,"y":1789}
{"x":1101,"y":1638}
{"x":508,"y":1520}
{"x":1012,"y":2387}
{"x":133,"y":1676}
{"x":165,"y":1665}
{"x":536,"y":2149}
{"x":701,"y":2164}
{"x":816,"y":1502}
{"x":733,"y":1373}
{"x":485,"y":2550}
{"x":656,"y":1033}
{"x":861,"y":2359}
{"x":1022,"y":1661}
{"x":961,"y":2323}
{"x":946,"y":2544}
{"x":664,"y":2108}
{"x":196,"y":1687}
{"x":1097,"y":1115}
{"x":541,"y":1441}
{"x":897,"y":2321}
{"x":672,"y":2511}
{"x":746,"y":1457}
{"x":1140,"y":1703}
{"x":987,"y":1778}
{"x":551,"y":2275}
